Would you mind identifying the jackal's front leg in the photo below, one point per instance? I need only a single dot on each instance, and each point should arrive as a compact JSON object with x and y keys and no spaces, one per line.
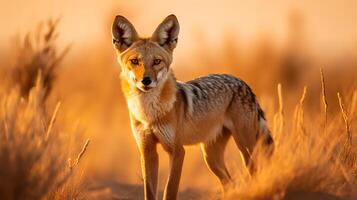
{"x":149,"y":165}
{"x":176,"y":161}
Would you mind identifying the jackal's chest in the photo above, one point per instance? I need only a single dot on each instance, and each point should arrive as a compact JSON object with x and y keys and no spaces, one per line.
{"x":164,"y":132}
{"x":148,"y":108}
{"x":144,"y":112}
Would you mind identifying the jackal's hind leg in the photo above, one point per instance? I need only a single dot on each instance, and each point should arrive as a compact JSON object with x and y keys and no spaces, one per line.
{"x":244,"y":136}
{"x":213,"y":153}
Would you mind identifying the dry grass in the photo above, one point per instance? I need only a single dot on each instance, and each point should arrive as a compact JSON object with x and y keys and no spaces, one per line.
{"x":323,"y":94}
{"x":345,"y":119}
{"x":37,"y":52}
{"x":306,"y":163}
{"x":34,"y":152}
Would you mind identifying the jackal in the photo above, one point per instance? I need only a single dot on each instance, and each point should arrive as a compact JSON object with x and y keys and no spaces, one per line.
{"x":207,"y":110}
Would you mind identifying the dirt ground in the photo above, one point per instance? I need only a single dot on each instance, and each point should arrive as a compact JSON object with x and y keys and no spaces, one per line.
{"x":112,"y":190}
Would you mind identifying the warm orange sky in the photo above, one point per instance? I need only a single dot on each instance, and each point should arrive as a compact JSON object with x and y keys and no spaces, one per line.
{"x":331,"y":25}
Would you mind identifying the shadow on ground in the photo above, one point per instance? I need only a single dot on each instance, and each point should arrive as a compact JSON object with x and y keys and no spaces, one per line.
{"x":112,"y":190}
{"x":310,"y":196}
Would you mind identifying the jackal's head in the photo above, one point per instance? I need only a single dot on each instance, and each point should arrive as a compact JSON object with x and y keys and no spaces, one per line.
{"x":145,"y":62}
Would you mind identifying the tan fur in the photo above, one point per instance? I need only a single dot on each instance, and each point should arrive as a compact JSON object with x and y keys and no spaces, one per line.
{"x":207,"y":111}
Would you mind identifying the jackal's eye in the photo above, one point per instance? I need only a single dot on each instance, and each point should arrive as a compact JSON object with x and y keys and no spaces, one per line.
{"x":157,"y":61}
{"x":134,"y":61}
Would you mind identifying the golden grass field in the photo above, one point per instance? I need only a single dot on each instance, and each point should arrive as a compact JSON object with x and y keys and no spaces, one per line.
{"x":65,"y":131}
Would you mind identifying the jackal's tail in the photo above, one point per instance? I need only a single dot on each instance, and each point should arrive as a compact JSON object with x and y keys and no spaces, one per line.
{"x":263,"y":128}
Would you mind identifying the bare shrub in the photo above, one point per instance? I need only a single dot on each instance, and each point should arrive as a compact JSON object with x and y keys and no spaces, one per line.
{"x":38,"y":52}
{"x":33,"y":154}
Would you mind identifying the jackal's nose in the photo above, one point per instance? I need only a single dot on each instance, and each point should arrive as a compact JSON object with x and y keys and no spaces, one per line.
{"x":146,"y":81}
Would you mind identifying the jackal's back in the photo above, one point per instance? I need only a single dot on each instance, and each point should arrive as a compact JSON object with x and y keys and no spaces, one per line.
{"x":217,"y":91}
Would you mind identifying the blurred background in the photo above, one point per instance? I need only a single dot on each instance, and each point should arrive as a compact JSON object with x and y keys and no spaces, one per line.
{"x":262,"y":42}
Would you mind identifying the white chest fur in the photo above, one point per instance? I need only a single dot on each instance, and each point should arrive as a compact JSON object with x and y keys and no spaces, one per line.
{"x":147,"y":108}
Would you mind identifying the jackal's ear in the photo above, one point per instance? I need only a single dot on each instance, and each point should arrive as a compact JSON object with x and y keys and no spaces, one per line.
{"x":124,"y":33}
{"x":167,"y":32}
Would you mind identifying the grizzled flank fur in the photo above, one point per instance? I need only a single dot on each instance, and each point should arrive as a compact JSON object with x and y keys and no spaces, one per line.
{"x":207,"y":92}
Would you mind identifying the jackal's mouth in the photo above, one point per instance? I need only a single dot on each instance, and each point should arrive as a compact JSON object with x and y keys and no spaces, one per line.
{"x":145,"y":88}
